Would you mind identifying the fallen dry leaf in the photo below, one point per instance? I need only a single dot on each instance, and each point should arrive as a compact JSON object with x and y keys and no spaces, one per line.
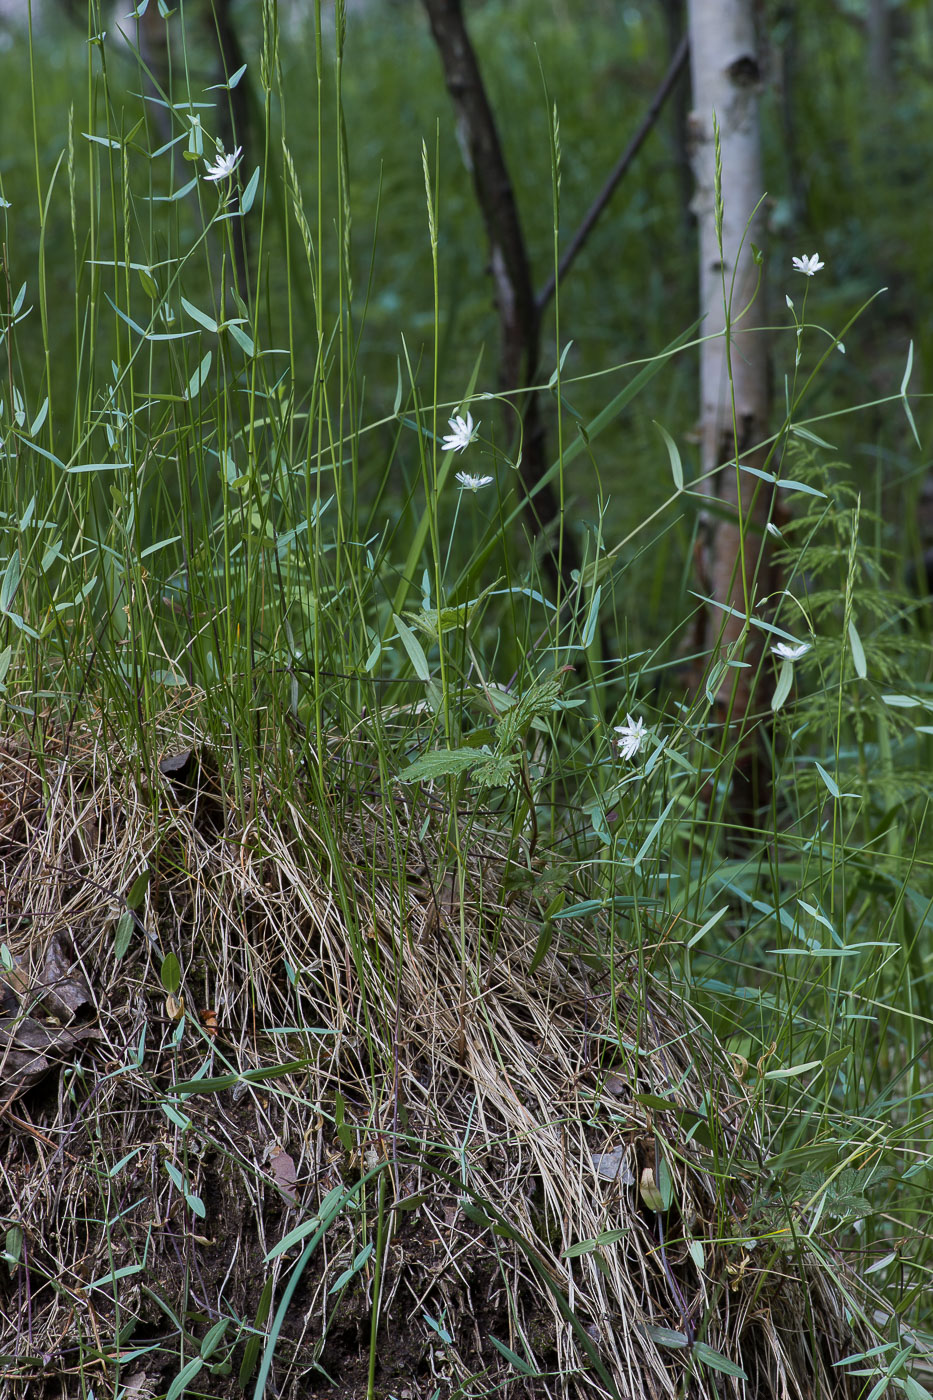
{"x":612,"y":1166}
{"x":209,"y":1021}
{"x":286,"y":1177}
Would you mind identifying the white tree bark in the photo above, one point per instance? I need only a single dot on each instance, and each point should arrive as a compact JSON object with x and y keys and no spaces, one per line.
{"x":734,"y":363}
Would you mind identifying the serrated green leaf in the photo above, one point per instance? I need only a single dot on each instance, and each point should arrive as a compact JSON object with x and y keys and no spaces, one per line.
{"x":440,"y":763}
{"x":494,"y":769}
{"x":536,"y":702}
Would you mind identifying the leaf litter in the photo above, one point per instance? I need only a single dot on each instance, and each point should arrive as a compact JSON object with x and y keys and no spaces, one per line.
{"x":458,"y":1144}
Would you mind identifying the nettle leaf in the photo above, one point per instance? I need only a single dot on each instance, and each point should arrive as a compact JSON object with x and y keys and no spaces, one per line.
{"x":534,"y":704}
{"x":434,"y":621}
{"x":494,"y":769}
{"x":439,"y":763}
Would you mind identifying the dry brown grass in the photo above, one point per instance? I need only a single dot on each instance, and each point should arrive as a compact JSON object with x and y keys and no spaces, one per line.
{"x":485,"y":1102}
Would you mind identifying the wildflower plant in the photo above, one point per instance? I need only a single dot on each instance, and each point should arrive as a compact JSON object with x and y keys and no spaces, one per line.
{"x":223,"y":165}
{"x":463,"y":431}
{"x":370,"y":833}
{"x":809,"y":265}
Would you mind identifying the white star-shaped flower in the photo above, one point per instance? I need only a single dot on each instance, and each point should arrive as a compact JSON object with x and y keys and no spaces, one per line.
{"x":472,"y":483}
{"x":223,"y":166}
{"x":462,"y":433}
{"x":791,"y":653}
{"x":808,"y":264}
{"x":631,"y":736}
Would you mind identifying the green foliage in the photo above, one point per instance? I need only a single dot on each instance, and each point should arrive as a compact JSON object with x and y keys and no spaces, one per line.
{"x":223,"y":482}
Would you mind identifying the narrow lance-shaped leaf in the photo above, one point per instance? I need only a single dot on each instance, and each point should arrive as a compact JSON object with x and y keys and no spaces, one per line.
{"x":198,"y":378}
{"x":11,"y":578}
{"x":904,"y":400}
{"x":782,"y":689}
{"x":677,"y":470}
{"x":858,"y":652}
{"x":415,"y":651}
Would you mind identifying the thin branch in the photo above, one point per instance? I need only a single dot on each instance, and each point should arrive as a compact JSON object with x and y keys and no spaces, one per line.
{"x":677,"y":64}
{"x":519,"y":318}
{"x":495,"y":193}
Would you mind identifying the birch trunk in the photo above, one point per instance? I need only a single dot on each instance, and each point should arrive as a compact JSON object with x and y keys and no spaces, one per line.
{"x":734,"y":355}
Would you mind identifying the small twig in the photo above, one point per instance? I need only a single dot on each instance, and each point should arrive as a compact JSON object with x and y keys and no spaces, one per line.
{"x":677,"y":64}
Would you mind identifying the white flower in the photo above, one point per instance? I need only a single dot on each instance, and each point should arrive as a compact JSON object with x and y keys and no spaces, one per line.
{"x":808,"y":265}
{"x":223,"y":165}
{"x":462,"y":433}
{"x":791,"y":653}
{"x":472,"y":483}
{"x":631,"y":736}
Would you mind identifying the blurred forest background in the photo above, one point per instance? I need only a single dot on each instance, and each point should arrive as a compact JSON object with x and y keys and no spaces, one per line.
{"x":845,"y":107}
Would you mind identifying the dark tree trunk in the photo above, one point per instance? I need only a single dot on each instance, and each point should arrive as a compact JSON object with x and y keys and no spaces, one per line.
{"x":519,"y":318}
